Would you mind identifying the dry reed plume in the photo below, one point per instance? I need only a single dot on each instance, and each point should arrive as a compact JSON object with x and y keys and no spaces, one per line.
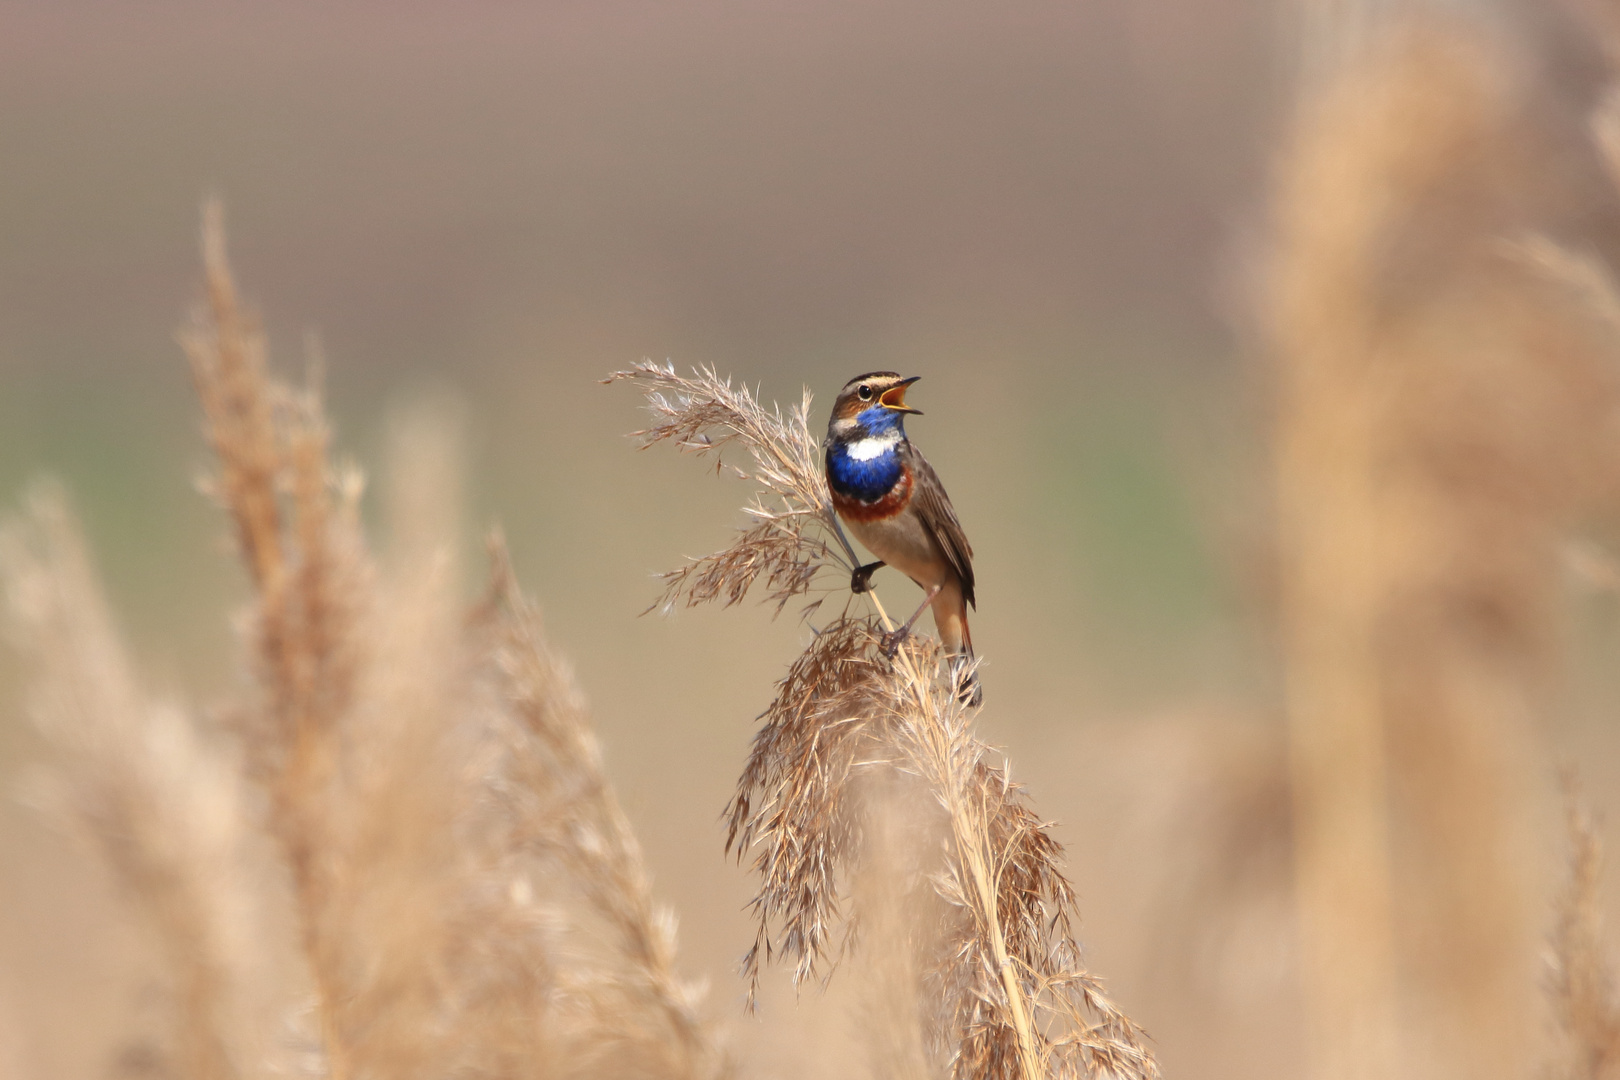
{"x":162,"y":802}
{"x":1444,"y":415}
{"x":467,"y":895}
{"x":1004,"y":992}
{"x":794,"y":526}
{"x":569,"y":817}
{"x":1581,"y":979}
{"x":1582,"y":982}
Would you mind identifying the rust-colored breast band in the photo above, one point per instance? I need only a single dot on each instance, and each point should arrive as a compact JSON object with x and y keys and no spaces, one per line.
{"x":898,"y":498}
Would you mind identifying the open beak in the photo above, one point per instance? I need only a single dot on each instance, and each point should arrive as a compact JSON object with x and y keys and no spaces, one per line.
{"x":895,"y":397}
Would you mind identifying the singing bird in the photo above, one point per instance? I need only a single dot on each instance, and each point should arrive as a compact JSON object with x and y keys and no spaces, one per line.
{"x":892,"y":500}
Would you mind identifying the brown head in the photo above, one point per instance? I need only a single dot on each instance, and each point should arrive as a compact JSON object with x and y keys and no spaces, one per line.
{"x":870,"y":403}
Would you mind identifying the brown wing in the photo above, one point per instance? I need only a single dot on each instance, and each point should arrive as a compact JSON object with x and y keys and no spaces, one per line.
{"x":939,"y":518}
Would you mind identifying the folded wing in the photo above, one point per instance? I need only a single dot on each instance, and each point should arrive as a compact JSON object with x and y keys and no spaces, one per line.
{"x":939,"y":518}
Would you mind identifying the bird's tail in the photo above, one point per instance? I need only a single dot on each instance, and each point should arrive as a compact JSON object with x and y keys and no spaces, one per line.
{"x":950,"y":616}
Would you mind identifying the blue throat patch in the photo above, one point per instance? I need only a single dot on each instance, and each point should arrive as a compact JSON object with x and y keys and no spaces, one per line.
{"x":868,"y":480}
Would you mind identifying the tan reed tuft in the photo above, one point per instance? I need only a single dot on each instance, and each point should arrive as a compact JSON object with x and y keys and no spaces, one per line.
{"x":464,"y":896}
{"x":302,"y":554}
{"x":161,"y":801}
{"x":1581,"y":978}
{"x":1443,"y":420}
{"x":635,"y":1013}
{"x":1010,"y":996}
{"x":794,"y":523}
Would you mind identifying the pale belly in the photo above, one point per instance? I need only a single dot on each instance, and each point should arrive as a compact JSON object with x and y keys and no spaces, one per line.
{"x":903,"y":543}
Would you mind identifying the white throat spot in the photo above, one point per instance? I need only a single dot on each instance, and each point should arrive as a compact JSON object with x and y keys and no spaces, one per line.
{"x":873,"y":446}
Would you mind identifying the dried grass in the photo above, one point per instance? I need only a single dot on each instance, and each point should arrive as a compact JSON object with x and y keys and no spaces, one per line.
{"x":466,"y":896}
{"x":1445,"y":416}
{"x":1581,"y":979}
{"x":161,"y":802}
{"x":795,"y":526}
{"x":303,"y":558}
{"x":635,"y":1011}
{"x":1010,"y":994}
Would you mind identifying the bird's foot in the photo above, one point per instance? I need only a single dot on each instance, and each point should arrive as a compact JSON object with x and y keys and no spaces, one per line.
{"x":891,"y":641}
{"x":861,"y":580}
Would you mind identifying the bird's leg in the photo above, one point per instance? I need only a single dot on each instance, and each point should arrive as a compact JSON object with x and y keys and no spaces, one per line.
{"x":891,"y":641}
{"x":861,"y":579}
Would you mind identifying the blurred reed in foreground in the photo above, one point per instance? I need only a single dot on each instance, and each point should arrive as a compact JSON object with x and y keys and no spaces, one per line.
{"x":1446,"y":413}
{"x":162,"y":800}
{"x":1000,"y":991}
{"x":1586,"y":999}
{"x":403,"y":830}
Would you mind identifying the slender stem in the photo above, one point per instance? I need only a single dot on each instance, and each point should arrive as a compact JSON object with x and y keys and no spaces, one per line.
{"x":849,"y":549}
{"x":888,"y":624}
{"x":971,"y":842}
{"x":1028,"y":1056}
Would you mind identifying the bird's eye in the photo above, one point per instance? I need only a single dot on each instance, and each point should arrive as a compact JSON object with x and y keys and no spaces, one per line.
{"x":865,"y":392}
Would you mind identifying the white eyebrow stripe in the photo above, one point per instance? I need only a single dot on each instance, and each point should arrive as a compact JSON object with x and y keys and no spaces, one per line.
{"x":873,"y":446}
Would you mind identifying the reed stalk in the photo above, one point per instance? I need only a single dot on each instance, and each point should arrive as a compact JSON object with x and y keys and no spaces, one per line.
{"x":159,"y":800}
{"x":1581,"y":977}
{"x":1444,"y":420}
{"x":466,"y":895}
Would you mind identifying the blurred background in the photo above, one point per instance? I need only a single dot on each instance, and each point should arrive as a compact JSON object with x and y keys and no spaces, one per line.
{"x":1054,"y":212}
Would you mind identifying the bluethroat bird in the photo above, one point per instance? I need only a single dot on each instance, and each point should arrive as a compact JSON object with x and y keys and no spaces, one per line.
{"x":892,"y":500}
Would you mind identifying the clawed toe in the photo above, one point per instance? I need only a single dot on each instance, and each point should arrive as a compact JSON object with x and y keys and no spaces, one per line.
{"x":891,"y":641}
